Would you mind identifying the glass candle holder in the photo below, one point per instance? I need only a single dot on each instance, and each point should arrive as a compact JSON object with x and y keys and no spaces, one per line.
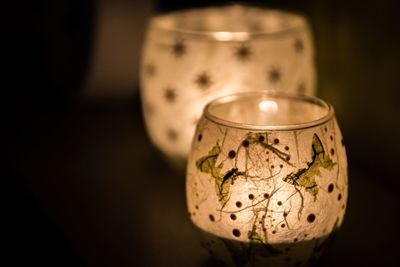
{"x":193,"y":56}
{"x":267,"y":178}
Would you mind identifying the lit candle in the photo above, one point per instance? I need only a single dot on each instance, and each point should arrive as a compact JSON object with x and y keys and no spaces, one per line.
{"x":267,"y":190}
{"x":191,"y":57}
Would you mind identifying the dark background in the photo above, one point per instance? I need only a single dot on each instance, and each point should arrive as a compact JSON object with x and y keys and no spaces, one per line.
{"x":83,"y":185}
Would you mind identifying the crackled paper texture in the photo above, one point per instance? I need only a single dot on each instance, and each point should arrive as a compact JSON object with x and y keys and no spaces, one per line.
{"x":182,"y":71}
{"x":267,"y":197}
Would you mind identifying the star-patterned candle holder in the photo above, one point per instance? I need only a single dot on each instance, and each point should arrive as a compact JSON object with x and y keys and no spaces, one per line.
{"x":267,"y":178}
{"x":193,"y":56}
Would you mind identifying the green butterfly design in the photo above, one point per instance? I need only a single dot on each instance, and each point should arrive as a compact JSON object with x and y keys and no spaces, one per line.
{"x":305,"y":177}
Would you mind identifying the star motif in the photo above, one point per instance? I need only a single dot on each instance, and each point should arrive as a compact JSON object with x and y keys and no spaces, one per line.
{"x":150,"y":69}
{"x":170,"y":95}
{"x":203,"y":81}
{"x":274,"y":75}
{"x":243,"y":52}
{"x":301,"y":88}
{"x":148,"y":108}
{"x":298,"y":45}
{"x":255,"y":27}
{"x":179,"y":48}
{"x":172,"y":135}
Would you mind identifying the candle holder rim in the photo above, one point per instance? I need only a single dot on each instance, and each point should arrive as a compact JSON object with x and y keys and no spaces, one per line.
{"x":270,"y":93}
{"x":301,"y":25}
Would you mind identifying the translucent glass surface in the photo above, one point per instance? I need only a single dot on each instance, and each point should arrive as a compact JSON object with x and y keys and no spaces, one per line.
{"x":267,"y":178}
{"x":191,"y":57}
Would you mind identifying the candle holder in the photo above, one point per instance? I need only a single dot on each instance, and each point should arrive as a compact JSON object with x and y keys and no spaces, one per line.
{"x":267,"y":178}
{"x":193,"y":56}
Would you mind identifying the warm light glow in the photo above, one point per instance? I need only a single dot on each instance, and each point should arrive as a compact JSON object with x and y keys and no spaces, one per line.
{"x":220,"y":50}
{"x":268,"y":106}
{"x":231,"y":36}
{"x":223,"y":36}
{"x":263,"y":196}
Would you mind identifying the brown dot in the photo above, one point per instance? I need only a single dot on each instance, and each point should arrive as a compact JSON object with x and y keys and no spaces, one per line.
{"x":326,"y":129}
{"x":233,"y":217}
{"x":283,"y":225}
{"x":305,"y":235}
{"x":236,"y":232}
{"x":232,"y":154}
{"x":343,"y":206}
{"x":339,"y":197}
{"x":287,"y":157}
{"x":332,"y":151}
{"x":199,"y":137}
{"x":330,"y":188}
{"x":172,"y":135}
{"x":296,"y":239}
{"x":286,"y":148}
{"x":194,"y":213}
{"x":238,"y":204}
{"x":274,"y":75}
{"x":150,"y":69}
{"x":311,"y":218}
{"x":301,"y":88}
{"x":245,"y":143}
{"x":299,"y":45}
{"x":285,"y":214}
{"x":197,"y":194}
{"x":272,"y":166}
{"x":281,"y":166}
{"x":273,"y":232}
{"x":264,"y":229}
{"x":342,"y":142}
{"x":203,"y":80}
{"x":251,"y":196}
{"x":261,"y":138}
{"x":170,"y":95}
{"x":266,"y":195}
{"x":196,"y":207}
{"x":178,"y":48}
{"x":279,"y":203}
{"x":211,"y":217}
{"x":276,"y":141}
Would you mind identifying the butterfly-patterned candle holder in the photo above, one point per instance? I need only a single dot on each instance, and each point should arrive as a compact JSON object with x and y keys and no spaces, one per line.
{"x":193,"y":56}
{"x":267,"y":178}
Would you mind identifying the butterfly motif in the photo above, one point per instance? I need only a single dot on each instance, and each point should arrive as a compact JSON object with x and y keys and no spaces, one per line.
{"x":305,"y":177}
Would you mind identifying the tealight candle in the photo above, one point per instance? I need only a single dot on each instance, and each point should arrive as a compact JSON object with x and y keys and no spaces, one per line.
{"x":193,"y":56}
{"x":267,"y":178}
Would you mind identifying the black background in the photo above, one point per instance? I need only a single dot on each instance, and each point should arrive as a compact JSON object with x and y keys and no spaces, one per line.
{"x":84,"y":187}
